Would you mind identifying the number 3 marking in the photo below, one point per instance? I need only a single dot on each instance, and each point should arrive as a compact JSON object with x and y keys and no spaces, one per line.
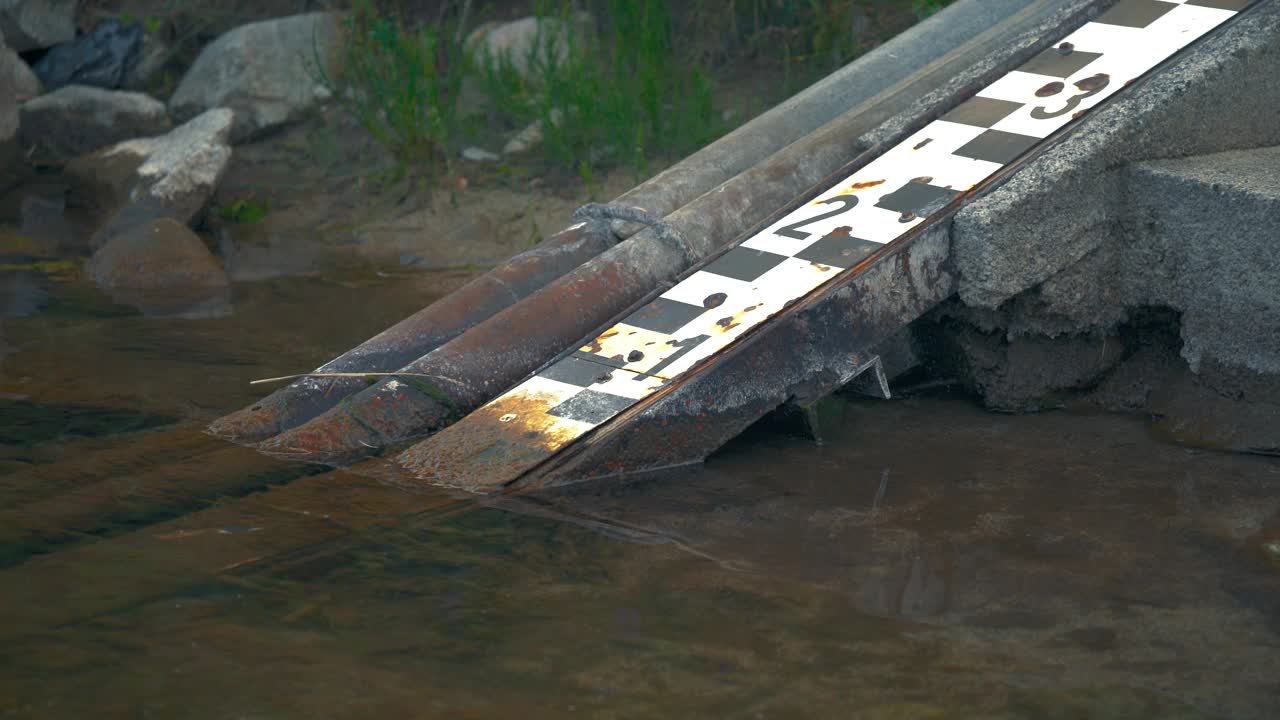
{"x":1090,"y":85}
{"x":847,"y":203}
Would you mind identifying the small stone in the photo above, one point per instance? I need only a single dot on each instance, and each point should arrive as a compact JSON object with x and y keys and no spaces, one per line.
{"x":524,"y":141}
{"x":475,"y":154}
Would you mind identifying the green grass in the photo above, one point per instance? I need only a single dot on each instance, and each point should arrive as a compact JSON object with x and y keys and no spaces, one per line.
{"x":634,"y":88}
{"x":620,"y":95}
{"x":402,"y":84}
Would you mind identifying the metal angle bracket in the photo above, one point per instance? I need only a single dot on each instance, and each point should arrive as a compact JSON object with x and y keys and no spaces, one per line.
{"x":873,"y":384}
{"x":866,"y":379}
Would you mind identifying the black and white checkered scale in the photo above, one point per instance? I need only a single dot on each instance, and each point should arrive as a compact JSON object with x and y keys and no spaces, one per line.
{"x":714,"y":306}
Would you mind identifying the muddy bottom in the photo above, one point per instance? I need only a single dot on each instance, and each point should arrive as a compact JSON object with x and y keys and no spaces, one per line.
{"x":930,"y":560}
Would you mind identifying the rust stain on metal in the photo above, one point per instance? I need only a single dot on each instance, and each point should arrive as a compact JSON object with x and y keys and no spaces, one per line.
{"x":714,"y":300}
{"x":863,"y":185}
{"x":907,"y":216}
{"x":1050,"y":89}
{"x":495,"y":452}
{"x":1066,"y":48}
{"x":1094,"y":82}
{"x":922,"y":143}
{"x":635,"y":356}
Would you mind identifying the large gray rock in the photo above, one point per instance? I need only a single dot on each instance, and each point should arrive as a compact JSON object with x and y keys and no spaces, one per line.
{"x":78,"y":119}
{"x":265,"y":71}
{"x":162,"y":268}
{"x":11,"y":87}
{"x":527,"y":42}
{"x":1204,"y":240}
{"x":32,"y":24}
{"x":178,"y":171}
{"x":16,"y":78}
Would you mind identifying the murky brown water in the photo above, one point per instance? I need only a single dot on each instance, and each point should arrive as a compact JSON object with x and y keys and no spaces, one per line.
{"x":932,"y":560}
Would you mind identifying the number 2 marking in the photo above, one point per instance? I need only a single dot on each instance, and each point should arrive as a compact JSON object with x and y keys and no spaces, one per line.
{"x":847,"y":203}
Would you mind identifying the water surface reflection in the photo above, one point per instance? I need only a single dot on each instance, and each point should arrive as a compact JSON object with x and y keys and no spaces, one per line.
{"x":931,"y":560}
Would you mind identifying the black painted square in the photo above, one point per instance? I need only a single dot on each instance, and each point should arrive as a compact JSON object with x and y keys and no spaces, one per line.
{"x":1221,"y":4}
{"x":839,"y":249}
{"x":996,"y":146}
{"x":575,"y":371}
{"x":663,"y":315}
{"x":1056,"y":62}
{"x":1135,"y":13}
{"x":744,"y":263}
{"x":917,"y":197}
{"x":981,"y":112}
{"x":591,"y":406}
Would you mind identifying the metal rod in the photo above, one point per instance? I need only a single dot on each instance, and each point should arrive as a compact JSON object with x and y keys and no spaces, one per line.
{"x":526,"y":273}
{"x":508,"y":346}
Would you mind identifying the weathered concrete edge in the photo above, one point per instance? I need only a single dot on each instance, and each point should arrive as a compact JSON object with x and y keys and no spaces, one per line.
{"x":1002,"y":243}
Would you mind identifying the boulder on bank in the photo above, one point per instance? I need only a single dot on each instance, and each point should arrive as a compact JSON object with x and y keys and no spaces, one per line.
{"x":10,"y":87}
{"x":162,"y":268}
{"x":266,"y":71}
{"x":178,"y":171}
{"x":16,"y":78}
{"x":102,"y":58}
{"x":33,"y":24}
{"x":527,"y":41}
{"x":78,"y":119}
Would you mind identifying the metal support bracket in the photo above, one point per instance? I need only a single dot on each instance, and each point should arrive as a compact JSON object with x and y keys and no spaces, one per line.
{"x":874,"y":383}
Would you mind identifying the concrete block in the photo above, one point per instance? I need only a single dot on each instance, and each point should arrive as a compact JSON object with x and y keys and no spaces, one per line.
{"x":1205,"y":239}
{"x":1068,"y":202}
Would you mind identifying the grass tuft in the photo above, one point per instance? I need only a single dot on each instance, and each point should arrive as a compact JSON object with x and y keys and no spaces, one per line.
{"x":619,"y":95}
{"x":401,"y":84}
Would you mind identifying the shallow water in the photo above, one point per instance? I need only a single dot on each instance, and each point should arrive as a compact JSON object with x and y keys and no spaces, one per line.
{"x":930,"y":560}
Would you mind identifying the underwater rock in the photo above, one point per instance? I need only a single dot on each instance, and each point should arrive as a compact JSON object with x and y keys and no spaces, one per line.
{"x":162,"y":268}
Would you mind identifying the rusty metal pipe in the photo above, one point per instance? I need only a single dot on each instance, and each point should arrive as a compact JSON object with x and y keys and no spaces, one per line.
{"x":430,"y":327}
{"x":467,"y":371}
{"x":660,"y":195}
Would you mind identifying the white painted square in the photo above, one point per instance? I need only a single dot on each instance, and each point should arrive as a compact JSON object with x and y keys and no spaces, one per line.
{"x":879,"y":225}
{"x":621,"y":340}
{"x":1180,"y":26}
{"x":554,"y":391}
{"x":1019,"y":87}
{"x":696,"y":288}
{"x":629,"y":385}
{"x":1100,"y":38}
